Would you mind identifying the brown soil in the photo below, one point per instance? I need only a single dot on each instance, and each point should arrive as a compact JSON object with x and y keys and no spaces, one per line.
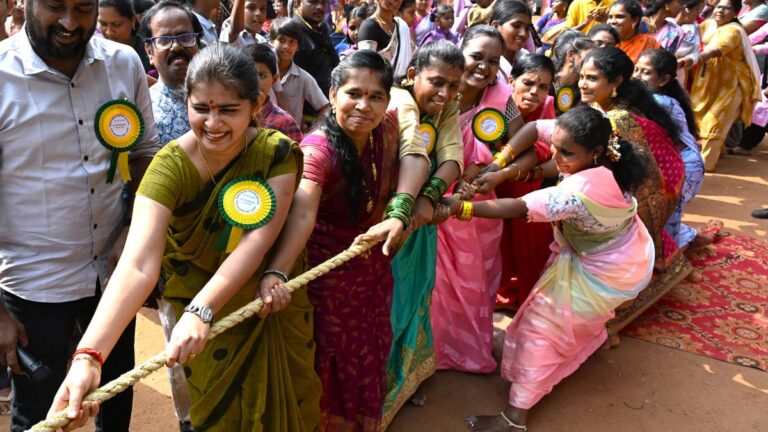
{"x":638,"y":386}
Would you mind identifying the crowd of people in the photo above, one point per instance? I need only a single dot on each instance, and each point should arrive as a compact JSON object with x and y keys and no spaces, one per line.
{"x":191,"y":157}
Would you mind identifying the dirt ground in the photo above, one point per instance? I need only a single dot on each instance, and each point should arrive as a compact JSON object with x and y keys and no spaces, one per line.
{"x":638,"y":386}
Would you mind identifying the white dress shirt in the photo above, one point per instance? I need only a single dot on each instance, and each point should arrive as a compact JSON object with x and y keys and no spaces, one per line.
{"x":58,"y":216}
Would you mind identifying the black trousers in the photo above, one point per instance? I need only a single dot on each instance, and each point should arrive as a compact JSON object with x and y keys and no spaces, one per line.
{"x":54,"y":330}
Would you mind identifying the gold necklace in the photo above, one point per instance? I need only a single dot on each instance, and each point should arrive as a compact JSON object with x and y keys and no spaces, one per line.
{"x":205,"y":161}
{"x":374,"y":172}
{"x":383,"y":24}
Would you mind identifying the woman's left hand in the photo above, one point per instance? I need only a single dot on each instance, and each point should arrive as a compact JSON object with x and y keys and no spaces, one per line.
{"x":274,"y":294}
{"x":388,"y":230}
{"x":488,"y":182}
{"x":187,"y":339}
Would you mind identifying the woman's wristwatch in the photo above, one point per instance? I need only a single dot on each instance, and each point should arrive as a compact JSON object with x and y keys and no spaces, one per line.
{"x":204,"y":312}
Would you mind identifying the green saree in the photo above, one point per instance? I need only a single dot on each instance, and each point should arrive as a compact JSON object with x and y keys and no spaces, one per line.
{"x":259,"y":375}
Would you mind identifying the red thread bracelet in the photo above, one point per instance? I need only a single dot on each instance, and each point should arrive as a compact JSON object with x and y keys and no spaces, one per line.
{"x":90,"y":352}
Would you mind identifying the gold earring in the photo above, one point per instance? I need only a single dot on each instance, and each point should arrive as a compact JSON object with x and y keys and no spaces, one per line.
{"x":613,"y":93}
{"x":407,"y":82}
{"x":459,"y":97}
{"x":594,"y":159}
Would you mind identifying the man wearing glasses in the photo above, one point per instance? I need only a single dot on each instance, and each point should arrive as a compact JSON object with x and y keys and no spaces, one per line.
{"x":72,"y":112}
{"x":171,"y":34}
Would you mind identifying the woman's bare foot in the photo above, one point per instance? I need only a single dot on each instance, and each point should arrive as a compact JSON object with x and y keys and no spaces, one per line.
{"x":419,"y":397}
{"x":511,"y":419}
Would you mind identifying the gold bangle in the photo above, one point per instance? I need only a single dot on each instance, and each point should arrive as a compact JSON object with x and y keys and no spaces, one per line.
{"x":508,"y":148}
{"x":500,"y":160}
{"x":517,"y":177}
{"x":465,"y":213}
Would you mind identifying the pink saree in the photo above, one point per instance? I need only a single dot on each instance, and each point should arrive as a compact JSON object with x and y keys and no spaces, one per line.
{"x":468,"y":267}
{"x":602,"y":256}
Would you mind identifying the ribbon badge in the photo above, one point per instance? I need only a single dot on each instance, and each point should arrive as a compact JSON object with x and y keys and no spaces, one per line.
{"x":489,"y":125}
{"x":245,"y":203}
{"x":119,"y":127}
{"x":428,"y":134}
{"x":564,"y":99}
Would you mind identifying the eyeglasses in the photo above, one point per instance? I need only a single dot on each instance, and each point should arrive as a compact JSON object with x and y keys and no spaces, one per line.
{"x":162,"y":43}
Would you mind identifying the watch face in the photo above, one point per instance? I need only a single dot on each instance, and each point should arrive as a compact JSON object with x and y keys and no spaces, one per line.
{"x":206,"y":314}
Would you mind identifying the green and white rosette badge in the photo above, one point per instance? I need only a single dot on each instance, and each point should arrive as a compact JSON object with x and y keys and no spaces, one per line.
{"x":428,"y":134}
{"x":245,"y":203}
{"x":564,"y":99}
{"x":489,"y":125}
{"x":119,"y":127}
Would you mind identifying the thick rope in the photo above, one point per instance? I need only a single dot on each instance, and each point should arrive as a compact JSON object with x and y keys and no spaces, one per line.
{"x":111,"y":389}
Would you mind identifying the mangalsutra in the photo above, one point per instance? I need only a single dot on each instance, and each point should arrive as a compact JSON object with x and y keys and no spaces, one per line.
{"x":374,"y":173}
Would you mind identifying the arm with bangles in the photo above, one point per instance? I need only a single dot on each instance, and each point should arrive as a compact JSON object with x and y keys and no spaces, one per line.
{"x":296,"y":232}
{"x":503,"y":208}
{"x":412,"y":172}
{"x":515,"y":145}
{"x":135,"y":277}
{"x":514,"y":159}
{"x":428,"y":202}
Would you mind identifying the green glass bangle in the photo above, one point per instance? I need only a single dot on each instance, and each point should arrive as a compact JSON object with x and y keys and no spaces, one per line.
{"x":400,"y":207}
{"x":440,"y":185}
{"x":431,"y":193}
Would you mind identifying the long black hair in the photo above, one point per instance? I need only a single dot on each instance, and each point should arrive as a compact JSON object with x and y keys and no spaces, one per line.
{"x":665,"y":63}
{"x":345,"y":149}
{"x":589,"y":128}
{"x":631,"y":93}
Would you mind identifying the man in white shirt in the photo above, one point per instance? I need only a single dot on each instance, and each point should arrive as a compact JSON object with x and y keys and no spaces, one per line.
{"x":65,"y":96}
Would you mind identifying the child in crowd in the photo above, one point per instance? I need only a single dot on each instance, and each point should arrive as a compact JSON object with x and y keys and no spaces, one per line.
{"x":298,"y":86}
{"x":243,"y":27}
{"x":355,"y":18}
{"x":443,"y":18}
{"x":270,"y":115}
